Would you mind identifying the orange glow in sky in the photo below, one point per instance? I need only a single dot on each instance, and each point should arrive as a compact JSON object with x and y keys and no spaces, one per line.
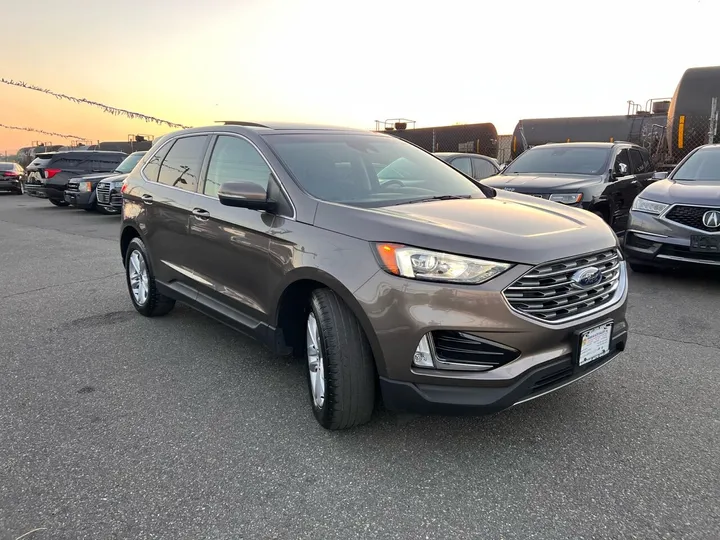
{"x":340,"y":63}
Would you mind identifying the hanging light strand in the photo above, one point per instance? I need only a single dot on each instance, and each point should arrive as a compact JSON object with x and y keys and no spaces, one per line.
{"x":49,"y":133}
{"x":105,"y":108}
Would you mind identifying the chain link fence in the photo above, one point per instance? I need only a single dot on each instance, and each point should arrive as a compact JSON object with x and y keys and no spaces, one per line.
{"x":684,"y":133}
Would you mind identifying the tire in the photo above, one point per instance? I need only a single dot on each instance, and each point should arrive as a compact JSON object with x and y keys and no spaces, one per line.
{"x":345,"y":363}
{"x":91,"y":209}
{"x":641,"y":268}
{"x":151,"y":303}
{"x":20,"y":191}
{"x":58,"y":202}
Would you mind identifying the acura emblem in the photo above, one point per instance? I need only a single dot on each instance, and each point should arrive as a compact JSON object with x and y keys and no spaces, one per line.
{"x":586,"y":277}
{"x":711,"y":219}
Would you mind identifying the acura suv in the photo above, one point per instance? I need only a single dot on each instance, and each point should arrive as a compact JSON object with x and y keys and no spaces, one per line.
{"x":435,"y":293}
{"x":676,"y":220}
{"x":603,"y":178}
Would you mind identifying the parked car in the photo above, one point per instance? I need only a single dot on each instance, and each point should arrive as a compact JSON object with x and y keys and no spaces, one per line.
{"x":603,"y":178}
{"x":676,"y":220}
{"x":12,"y":177}
{"x":474,"y":165}
{"x":447,"y":295}
{"x":82,"y":191}
{"x":49,"y":173}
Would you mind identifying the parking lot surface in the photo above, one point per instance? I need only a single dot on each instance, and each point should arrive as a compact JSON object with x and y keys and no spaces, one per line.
{"x":117,"y":426}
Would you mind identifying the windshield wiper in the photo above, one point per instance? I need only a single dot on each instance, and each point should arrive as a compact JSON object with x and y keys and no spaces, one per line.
{"x":441,"y":198}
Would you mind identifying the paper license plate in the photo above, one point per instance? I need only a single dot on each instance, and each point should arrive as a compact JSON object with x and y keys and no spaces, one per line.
{"x":705,"y":243}
{"x":595,"y":343}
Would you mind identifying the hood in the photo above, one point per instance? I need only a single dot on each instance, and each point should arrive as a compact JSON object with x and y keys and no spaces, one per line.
{"x":537,"y":183}
{"x":115,"y":178}
{"x":508,"y":227}
{"x":694,"y":192}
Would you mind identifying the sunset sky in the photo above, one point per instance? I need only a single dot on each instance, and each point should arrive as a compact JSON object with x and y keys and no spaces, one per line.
{"x":338,"y":62}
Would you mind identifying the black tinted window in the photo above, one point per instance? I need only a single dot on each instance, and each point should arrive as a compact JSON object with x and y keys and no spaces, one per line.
{"x":152,"y":167}
{"x":560,"y":160}
{"x":367,"y":170}
{"x":623,"y":158}
{"x":636,"y":159}
{"x":462,"y":164}
{"x":703,"y":165}
{"x":67,"y":163}
{"x":483,"y":168}
{"x":181,"y":167}
{"x":235,"y":160}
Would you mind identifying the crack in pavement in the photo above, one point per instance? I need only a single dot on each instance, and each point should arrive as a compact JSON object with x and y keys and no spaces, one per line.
{"x":61,"y":285}
{"x":706,"y":346}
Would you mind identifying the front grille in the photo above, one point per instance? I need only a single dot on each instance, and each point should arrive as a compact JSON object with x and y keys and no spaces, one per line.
{"x":73,"y":186}
{"x":464,"y":348}
{"x":103,"y":193}
{"x":691,"y":216}
{"x":554,"y":378}
{"x":548,"y":292}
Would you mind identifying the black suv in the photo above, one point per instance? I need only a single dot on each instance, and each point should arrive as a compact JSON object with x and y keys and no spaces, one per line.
{"x":603,"y":178}
{"x":49,"y":173}
{"x":90,"y":193}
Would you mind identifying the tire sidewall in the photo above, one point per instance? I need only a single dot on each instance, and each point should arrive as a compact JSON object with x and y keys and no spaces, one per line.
{"x":137,"y":245}
{"x":322,"y":414}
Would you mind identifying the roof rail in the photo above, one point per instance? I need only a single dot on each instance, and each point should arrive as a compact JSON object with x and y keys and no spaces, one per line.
{"x":240,"y":123}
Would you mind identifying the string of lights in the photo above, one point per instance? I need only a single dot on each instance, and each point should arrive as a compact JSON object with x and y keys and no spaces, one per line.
{"x":106,"y":108}
{"x":48,"y":133}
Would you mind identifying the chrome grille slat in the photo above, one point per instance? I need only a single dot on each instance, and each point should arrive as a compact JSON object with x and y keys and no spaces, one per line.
{"x":548,"y":293}
{"x":102,"y":192}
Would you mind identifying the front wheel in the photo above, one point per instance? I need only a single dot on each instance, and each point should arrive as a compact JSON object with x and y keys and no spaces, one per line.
{"x":141,"y":282}
{"x":640,"y":268}
{"x":341,"y":368}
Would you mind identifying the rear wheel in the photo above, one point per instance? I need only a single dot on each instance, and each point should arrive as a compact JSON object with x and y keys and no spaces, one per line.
{"x":141,"y":282}
{"x":20,"y":190}
{"x":341,"y":369}
{"x":58,"y":202}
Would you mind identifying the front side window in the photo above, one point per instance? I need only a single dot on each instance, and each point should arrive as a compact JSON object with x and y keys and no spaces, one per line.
{"x":462,"y":164}
{"x":702,"y":166}
{"x":181,"y":166}
{"x":152,"y":167}
{"x":367,"y":170}
{"x":561,"y":160}
{"x":622,"y":163}
{"x":235,"y":160}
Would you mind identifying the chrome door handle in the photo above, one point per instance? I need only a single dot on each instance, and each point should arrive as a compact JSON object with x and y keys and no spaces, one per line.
{"x":147,"y":199}
{"x":201,"y":213}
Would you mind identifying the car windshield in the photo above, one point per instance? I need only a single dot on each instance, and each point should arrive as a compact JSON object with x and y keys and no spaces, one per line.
{"x":561,"y":160}
{"x":368,"y":170}
{"x":128,"y":164}
{"x":703,"y":165}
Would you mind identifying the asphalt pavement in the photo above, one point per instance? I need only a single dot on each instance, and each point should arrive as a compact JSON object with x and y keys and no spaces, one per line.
{"x":114,"y":426}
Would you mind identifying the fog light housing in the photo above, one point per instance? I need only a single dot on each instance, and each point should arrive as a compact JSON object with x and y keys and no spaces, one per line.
{"x":423,"y":354}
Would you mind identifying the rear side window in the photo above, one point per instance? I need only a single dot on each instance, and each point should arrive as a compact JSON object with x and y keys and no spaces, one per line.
{"x":181,"y":166}
{"x":638,"y":166}
{"x":483,"y":168}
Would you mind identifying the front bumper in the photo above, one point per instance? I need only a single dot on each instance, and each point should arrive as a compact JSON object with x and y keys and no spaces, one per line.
{"x":543,"y":354}
{"x":80,"y":199}
{"x":659,"y":242}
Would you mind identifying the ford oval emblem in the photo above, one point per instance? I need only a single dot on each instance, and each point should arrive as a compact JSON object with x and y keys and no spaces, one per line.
{"x":587,"y":277}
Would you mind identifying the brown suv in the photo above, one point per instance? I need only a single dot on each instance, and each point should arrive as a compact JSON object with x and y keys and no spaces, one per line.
{"x":384,"y":267}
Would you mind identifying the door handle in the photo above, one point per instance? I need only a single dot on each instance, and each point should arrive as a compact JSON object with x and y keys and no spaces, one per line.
{"x":147,"y":199}
{"x":200,"y":213}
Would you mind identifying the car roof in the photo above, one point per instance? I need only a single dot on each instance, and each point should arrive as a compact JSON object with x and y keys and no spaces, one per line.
{"x":454,"y":154}
{"x":586,"y":144}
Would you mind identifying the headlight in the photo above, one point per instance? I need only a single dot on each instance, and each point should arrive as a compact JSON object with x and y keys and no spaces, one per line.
{"x":85,"y":186}
{"x":649,"y":207}
{"x":422,"y":264}
{"x":117,"y":185}
{"x":566,"y":198}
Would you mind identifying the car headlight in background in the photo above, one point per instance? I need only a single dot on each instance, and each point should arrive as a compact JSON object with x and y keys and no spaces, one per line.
{"x":423,"y":264}
{"x":566,"y":198}
{"x":85,"y":186}
{"x":649,"y":207}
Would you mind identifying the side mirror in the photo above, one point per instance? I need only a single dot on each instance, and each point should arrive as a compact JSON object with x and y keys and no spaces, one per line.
{"x":245,"y":195}
{"x":657,"y":175}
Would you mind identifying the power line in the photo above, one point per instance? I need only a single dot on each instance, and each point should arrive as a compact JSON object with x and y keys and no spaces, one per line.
{"x":106,"y":108}
{"x":49,"y":133}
